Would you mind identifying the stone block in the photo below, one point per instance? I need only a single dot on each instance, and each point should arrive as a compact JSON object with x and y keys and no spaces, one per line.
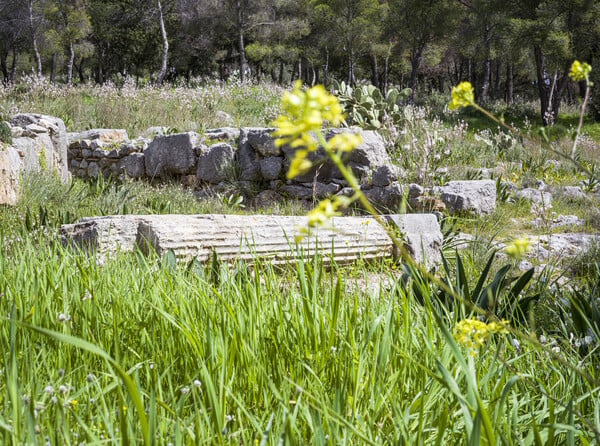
{"x":133,"y":165}
{"x":469,"y":196}
{"x":10,"y":169}
{"x":214,"y":163}
{"x":270,"y":167}
{"x":385,"y":175}
{"x":49,"y":146}
{"x":422,"y":236}
{"x":107,"y":136}
{"x":536,"y":196}
{"x":259,"y":140}
{"x":171,"y":155}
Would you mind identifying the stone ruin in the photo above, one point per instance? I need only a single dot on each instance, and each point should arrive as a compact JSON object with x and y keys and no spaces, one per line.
{"x":247,"y":237}
{"x":248,"y":157}
{"x":228,"y":159}
{"x":244,"y":158}
{"x":39,"y":142}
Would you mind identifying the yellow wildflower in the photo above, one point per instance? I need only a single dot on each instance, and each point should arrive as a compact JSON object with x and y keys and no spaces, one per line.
{"x":323,"y":212}
{"x":462,"y":96}
{"x":299,"y":164}
{"x":517,"y":248}
{"x":345,"y":142}
{"x":580,"y":71}
{"x":472,"y":333}
{"x":305,"y":112}
{"x":73,"y":403}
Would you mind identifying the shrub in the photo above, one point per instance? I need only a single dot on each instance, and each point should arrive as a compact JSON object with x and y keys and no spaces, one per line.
{"x":5,"y":133}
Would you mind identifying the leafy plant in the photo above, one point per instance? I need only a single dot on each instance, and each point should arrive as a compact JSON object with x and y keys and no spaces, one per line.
{"x":366,"y":107}
{"x":233,"y":201}
{"x":5,"y":133}
{"x":500,"y":296}
{"x":585,"y":310}
{"x":503,"y":194}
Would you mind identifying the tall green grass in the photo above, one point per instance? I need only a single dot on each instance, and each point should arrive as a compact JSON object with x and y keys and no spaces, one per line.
{"x":138,"y":350}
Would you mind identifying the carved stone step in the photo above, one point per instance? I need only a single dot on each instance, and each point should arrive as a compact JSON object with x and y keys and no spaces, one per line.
{"x":247,"y":237}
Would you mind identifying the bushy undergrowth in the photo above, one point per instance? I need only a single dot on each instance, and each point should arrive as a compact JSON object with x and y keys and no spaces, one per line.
{"x":231,"y":354}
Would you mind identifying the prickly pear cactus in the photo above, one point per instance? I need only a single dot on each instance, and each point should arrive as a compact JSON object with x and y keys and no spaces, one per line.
{"x":366,"y":107}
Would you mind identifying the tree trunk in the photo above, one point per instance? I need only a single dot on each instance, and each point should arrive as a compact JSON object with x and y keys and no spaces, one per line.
{"x":543,"y":92}
{"x":386,"y":69}
{"x":497,"y":79}
{"x":485,"y":86}
{"x":294,"y":71}
{"x":510,"y":84}
{"x":300,"y":68}
{"x":351,"y":67}
{"x":70,"y":64}
{"x":469,"y":71}
{"x":80,"y":71}
{"x":165,"y":47}
{"x":13,"y":68}
{"x":240,"y":26}
{"x":36,"y":53}
{"x":221,"y":71}
{"x":314,"y":75}
{"x":415,"y":62}
{"x":281,"y":67}
{"x":375,"y":70}
{"x":4,"y":66}
{"x":326,"y":68}
{"x":53,"y":68}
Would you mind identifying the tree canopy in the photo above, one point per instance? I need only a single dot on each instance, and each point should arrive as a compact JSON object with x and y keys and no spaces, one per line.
{"x":505,"y":48}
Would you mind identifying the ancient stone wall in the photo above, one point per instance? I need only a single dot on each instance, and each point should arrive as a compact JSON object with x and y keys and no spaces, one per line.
{"x":246,"y":156}
{"x":39,"y":143}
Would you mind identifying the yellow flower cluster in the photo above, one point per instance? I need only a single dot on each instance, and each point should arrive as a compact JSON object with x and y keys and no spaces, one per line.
{"x":462,"y":96}
{"x":580,"y":71}
{"x":325,"y":210}
{"x":472,"y":333}
{"x":344,"y":142}
{"x":517,"y":248}
{"x":304,"y":113}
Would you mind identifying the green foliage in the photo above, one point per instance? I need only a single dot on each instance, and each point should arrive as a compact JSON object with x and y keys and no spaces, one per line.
{"x":192,"y":353}
{"x":501,"y":296}
{"x":366,"y":107}
{"x":5,"y":133}
{"x":585,"y":308}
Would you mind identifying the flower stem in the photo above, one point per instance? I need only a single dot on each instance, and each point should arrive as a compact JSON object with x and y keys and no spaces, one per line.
{"x":581,"y":115}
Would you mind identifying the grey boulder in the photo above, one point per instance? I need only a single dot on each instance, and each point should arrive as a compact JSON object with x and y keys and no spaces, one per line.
{"x":10,"y":167}
{"x":213,"y":163}
{"x":171,"y":155}
{"x":421,"y":235}
{"x":469,"y":196}
{"x":133,"y":165}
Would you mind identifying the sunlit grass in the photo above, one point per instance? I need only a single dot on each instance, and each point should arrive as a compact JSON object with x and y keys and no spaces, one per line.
{"x":226,"y":353}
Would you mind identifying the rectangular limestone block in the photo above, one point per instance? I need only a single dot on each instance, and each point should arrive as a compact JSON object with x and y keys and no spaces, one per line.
{"x":421,"y":234}
{"x":103,"y":235}
{"x":246,"y":237}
